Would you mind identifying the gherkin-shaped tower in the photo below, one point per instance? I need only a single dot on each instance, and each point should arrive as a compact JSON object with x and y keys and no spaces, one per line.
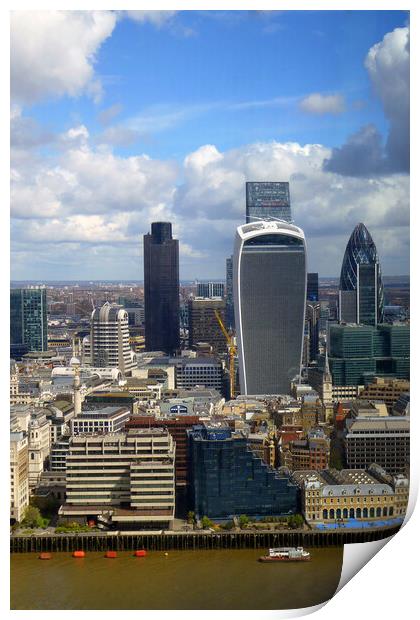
{"x":361,"y":294}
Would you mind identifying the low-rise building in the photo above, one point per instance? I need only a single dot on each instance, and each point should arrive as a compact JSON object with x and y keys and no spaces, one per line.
{"x":310,"y":453}
{"x":19,"y":482}
{"x":353,"y":496}
{"x":385,"y":390}
{"x":105,"y":420}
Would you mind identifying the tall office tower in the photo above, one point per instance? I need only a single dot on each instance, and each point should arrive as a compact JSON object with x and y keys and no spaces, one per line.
{"x":230,"y":311}
{"x":312,"y":293}
{"x":28,"y":318}
{"x":268,"y":200}
{"x":361,"y":292}
{"x":210,"y":289}
{"x":161,"y":289}
{"x":270,"y":298}
{"x":312,"y":320}
{"x":109,"y":339}
{"x":203,"y":325}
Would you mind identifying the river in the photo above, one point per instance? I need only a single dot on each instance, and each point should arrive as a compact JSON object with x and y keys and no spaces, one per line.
{"x":216,"y":579}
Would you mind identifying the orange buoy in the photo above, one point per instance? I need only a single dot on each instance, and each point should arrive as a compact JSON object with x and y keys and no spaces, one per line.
{"x":111,"y":554}
{"x":45,"y":556}
{"x":79,"y":554}
{"x":140,"y":553}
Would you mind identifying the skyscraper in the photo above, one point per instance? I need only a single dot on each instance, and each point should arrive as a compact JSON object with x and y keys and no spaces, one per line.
{"x":230,"y":312}
{"x":210,"y":289}
{"x":203,"y":325}
{"x":161,"y":289}
{"x":109,"y":338}
{"x":269,"y":296}
{"x":28,"y":318}
{"x":268,"y":200}
{"x":361,"y":293}
{"x":312,"y":293}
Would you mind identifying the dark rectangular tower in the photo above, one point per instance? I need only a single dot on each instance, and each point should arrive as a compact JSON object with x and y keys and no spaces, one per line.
{"x":161,"y":289}
{"x":312,"y":291}
{"x":268,"y":200}
{"x":28,"y":318}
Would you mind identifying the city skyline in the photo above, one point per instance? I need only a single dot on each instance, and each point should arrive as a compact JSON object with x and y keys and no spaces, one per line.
{"x":117,"y":142}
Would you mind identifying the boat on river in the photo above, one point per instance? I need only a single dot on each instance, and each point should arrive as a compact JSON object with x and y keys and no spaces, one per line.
{"x":286,"y":554}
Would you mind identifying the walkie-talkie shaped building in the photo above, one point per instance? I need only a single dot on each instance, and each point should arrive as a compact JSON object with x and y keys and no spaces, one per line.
{"x":269,"y":298}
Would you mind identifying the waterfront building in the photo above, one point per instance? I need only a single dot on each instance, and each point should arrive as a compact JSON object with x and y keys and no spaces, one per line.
{"x":104,"y":420}
{"x":353,"y":495}
{"x":19,"y":481}
{"x":203,"y":325}
{"x":109,"y":339}
{"x":125,"y":478}
{"x":310,"y":453}
{"x":161,"y":289}
{"x":230,"y":310}
{"x":312,"y":288}
{"x":385,"y":390}
{"x":361,"y":293}
{"x":28,"y":319}
{"x":227,"y":478}
{"x":270,"y":293}
{"x":39,"y":444}
{"x":267,"y":200}
{"x":384,"y":440}
{"x":210,"y":289}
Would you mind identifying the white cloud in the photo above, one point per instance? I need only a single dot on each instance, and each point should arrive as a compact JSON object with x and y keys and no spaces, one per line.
{"x":53,"y":53}
{"x":157,"y":18}
{"x":316,"y":103}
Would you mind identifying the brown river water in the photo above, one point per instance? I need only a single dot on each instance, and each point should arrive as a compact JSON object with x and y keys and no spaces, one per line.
{"x":216,"y":579}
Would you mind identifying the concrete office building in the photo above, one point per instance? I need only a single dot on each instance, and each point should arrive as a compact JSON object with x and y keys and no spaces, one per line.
{"x":123,"y":479}
{"x":270,"y":298}
{"x":105,"y":420}
{"x":109,"y":339}
{"x":210,"y":289}
{"x":203,"y":325}
{"x":161,"y":289}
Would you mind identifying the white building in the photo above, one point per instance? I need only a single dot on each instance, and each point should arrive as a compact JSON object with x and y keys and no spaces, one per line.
{"x":109,"y":339}
{"x":19,"y":488}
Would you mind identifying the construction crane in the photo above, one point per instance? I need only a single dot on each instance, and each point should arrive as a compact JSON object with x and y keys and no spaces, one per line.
{"x":231,"y":346}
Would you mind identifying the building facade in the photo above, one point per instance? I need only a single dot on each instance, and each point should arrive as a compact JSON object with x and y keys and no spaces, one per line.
{"x":267,"y":201}
{"x":28,"y":318}
{"x":19,"y":482}
{"x":270,"y":297}
{"x":203,"y":325}
{"x":227,"y":478}
{"x":161,"y":289}
{"x":230,"y":310}
{"x":210,"y":289}
{"x":312,"y":288}
{"x":110,"y":339}
{"x":126,"y":478}
{"x":361,"y":293}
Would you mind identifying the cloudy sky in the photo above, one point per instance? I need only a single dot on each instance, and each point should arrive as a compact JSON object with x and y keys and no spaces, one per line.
{"x":121,"y":118}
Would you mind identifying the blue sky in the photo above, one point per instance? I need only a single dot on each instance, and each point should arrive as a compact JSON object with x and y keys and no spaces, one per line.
{"x":192,"y":104}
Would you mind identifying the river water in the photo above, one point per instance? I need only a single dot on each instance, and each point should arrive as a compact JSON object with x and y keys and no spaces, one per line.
{"x":216,"y":579}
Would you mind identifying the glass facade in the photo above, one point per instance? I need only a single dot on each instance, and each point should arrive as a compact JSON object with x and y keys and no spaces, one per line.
{"x":312,"y":287}
{"x":270,"y":293}
{"x":161,"y":289}
{"x":268,"y":200}
{"x":361,"y":272}
{"x":230,"y":312}
{"x":357,"y":353}
{"x":28,"y":318}
{"x":227,"y":478}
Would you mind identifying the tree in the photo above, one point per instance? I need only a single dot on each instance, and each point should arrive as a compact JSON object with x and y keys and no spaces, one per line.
{"x":32,"y":517}
{"x":191,"y":516}
{"x":206,"y":523}
{"x":295,"y":521}
{"x":243,"y":521}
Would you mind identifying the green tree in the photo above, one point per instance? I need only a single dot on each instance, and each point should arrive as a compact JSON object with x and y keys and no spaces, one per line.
{"x":191,"y":516}
{"x":243,"y":521}
{"x":295,"y":522}
{"x":32,"y":517}
{"x":206,"y":523}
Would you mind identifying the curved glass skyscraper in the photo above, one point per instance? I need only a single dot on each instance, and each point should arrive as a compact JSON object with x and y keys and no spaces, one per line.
{"x":361,"y":294}
{"x":269,"y":297}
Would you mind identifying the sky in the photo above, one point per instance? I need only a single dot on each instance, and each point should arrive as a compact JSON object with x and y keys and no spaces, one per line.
{"x":122,"y":118}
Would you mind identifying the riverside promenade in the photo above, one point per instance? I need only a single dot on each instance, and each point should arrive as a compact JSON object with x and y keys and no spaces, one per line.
{"x":197,"y":539}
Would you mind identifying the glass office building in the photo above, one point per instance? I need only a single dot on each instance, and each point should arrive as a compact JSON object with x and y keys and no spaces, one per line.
{"x":312,"y":288}
{"x":28,"y":318}
{"x":226,"y":478}
{"x":161,"y":289}
{"x":230,"y":312}
{"x":269,"y":299}
{"x":268,"y":200}
{"x":361,"y":293}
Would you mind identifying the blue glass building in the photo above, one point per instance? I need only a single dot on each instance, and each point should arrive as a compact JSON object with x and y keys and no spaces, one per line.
{"x":266,"y":200}
{"x":28,"y":319}
{"x":226,"y":478}
{"x":361,"y":293}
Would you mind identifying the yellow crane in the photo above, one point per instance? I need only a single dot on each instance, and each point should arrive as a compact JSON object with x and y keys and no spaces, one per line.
{"x":231,"y":346}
